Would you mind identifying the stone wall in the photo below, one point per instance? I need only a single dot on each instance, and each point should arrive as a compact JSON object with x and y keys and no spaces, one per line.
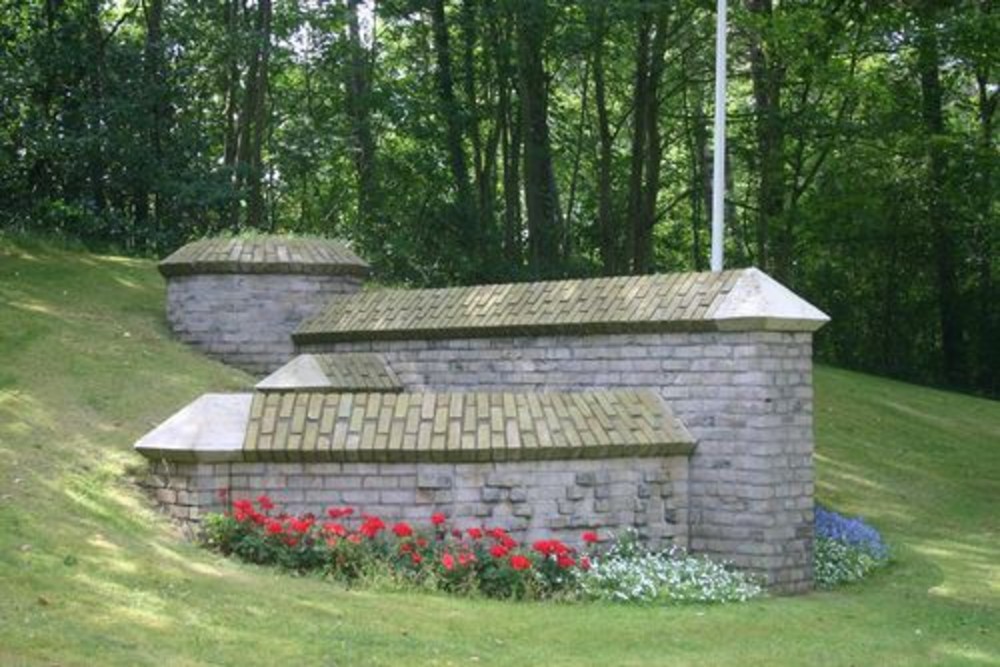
{"x":246,"y":320}
{"x":533,"y":500}
{"x":746,"y":397}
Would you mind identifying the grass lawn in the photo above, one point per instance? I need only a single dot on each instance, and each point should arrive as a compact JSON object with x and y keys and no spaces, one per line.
{"x":90,"y":574}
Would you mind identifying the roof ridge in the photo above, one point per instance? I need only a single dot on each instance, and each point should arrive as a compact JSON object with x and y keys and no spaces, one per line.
{"x":737,"y":299}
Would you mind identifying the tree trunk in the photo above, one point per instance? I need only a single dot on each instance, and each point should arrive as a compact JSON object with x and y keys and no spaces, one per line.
{"x":257,"y":111}
{"x":767,"y":76}
{"x":467,"y":232}
{"x":938,"y":213}
{"x":509,"y":126}
{"x":700,"y":173}
{"x":146,"y":212}
{"x":607,"y":229}
{"x":96,"y":166}
{"x":567,"y":240}
{"x":637,"y":161}
{"x":470,"y":36}
{"x":545,"y":253}
{"x":988,"y":315}
{"x":642,"y":251}
{"x":232,"y":85}
{"x":359,"y":112}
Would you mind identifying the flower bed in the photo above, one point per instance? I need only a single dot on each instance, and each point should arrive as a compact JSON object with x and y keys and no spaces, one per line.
{"x":355,"y":548}
{"x":847,"y":549}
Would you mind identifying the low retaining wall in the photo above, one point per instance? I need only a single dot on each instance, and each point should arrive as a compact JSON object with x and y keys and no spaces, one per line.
{"x":533,"y":500}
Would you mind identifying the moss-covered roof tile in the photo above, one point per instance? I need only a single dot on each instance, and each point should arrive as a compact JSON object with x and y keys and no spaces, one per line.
{"x":461,"y":427}
{"x":729,"y":300}
{"x":264,"y":254}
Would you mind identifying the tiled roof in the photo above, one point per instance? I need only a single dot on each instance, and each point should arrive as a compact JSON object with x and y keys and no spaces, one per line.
{"x":348,"y":372}
{"x":455,"y":427}
{"x":265,"y":254}
{"x":729,"y":300}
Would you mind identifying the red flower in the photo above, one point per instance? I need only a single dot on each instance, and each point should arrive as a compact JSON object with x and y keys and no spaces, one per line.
{"x":335,"y":528}
{"x":402,"y":529}
{"x":354,"y":538}
{"x":464,"y":559}
{"x":584,"y":563}
{"x":421,"y":542}
{"x":497,"y":533}
{"x":243,"y":510}
{"x":457,"y":534}
{"x":438,"y":518}
{"x":274,"y":527}
{"x":406,"y":547}
{"x":498,"y":551}
{"x":508,"y":542}
{"x":265,"y":502}
{"x":550,"y":547}
{"x":300,"y":526}
{"x":291,"y":541}
{"x":519,"y":562}
{"x":340,"y":512}
{"x":591,"y":537}
{"x":448,"y":561}
{"x":475,"y":533}
{"x":416,"y":558}
{"x":371,"y":527}
{"x":564,"y":561}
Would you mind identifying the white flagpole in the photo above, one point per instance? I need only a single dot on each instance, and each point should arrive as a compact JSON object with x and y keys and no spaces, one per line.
{"x":719,"y":138}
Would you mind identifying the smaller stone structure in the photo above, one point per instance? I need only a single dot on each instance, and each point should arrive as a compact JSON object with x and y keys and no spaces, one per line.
{"x":239,"y":300}
{"x":537,"y":464}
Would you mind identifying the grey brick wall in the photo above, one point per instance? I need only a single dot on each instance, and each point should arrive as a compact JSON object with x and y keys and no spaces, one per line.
{"x":246,"y":320}
{"x":746,"y":397}
{"x":533,"y":500}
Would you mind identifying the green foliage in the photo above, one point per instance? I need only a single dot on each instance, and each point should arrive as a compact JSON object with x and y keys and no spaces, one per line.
{"x":115,"y":130}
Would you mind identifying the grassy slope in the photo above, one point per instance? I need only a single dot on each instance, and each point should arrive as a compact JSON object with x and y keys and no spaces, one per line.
{"x":89,"y":574}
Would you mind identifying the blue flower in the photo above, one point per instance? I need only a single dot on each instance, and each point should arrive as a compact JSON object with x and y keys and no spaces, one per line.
{"x":852,"y":531}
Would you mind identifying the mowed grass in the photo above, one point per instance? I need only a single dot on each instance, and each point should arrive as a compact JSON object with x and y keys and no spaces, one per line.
{"x":90,"y":574}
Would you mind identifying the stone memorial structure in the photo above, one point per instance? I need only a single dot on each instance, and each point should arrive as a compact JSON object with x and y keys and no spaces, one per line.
{"x":679,"y":405}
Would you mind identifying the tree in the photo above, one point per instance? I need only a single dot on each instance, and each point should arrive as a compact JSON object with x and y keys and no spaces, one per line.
{"x":541,"y":193}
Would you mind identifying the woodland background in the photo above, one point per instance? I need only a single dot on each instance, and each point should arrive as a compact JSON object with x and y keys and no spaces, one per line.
{"x":463,"y":141}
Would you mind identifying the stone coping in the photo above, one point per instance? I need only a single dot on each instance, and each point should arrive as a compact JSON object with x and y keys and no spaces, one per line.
{"x":737,"y":300}
{"x":265,"y":254}
{"x":433,"y":427}
{"x":347,"y":372}
{"x":210,"y":428}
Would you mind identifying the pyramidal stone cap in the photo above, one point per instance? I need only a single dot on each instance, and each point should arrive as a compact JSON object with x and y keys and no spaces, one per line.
{"x":758,"y":301}
{"x":356,"y":372}
{"x":264,"y":254}
{"x":211,"y":428}
{"x":736,"y":300}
